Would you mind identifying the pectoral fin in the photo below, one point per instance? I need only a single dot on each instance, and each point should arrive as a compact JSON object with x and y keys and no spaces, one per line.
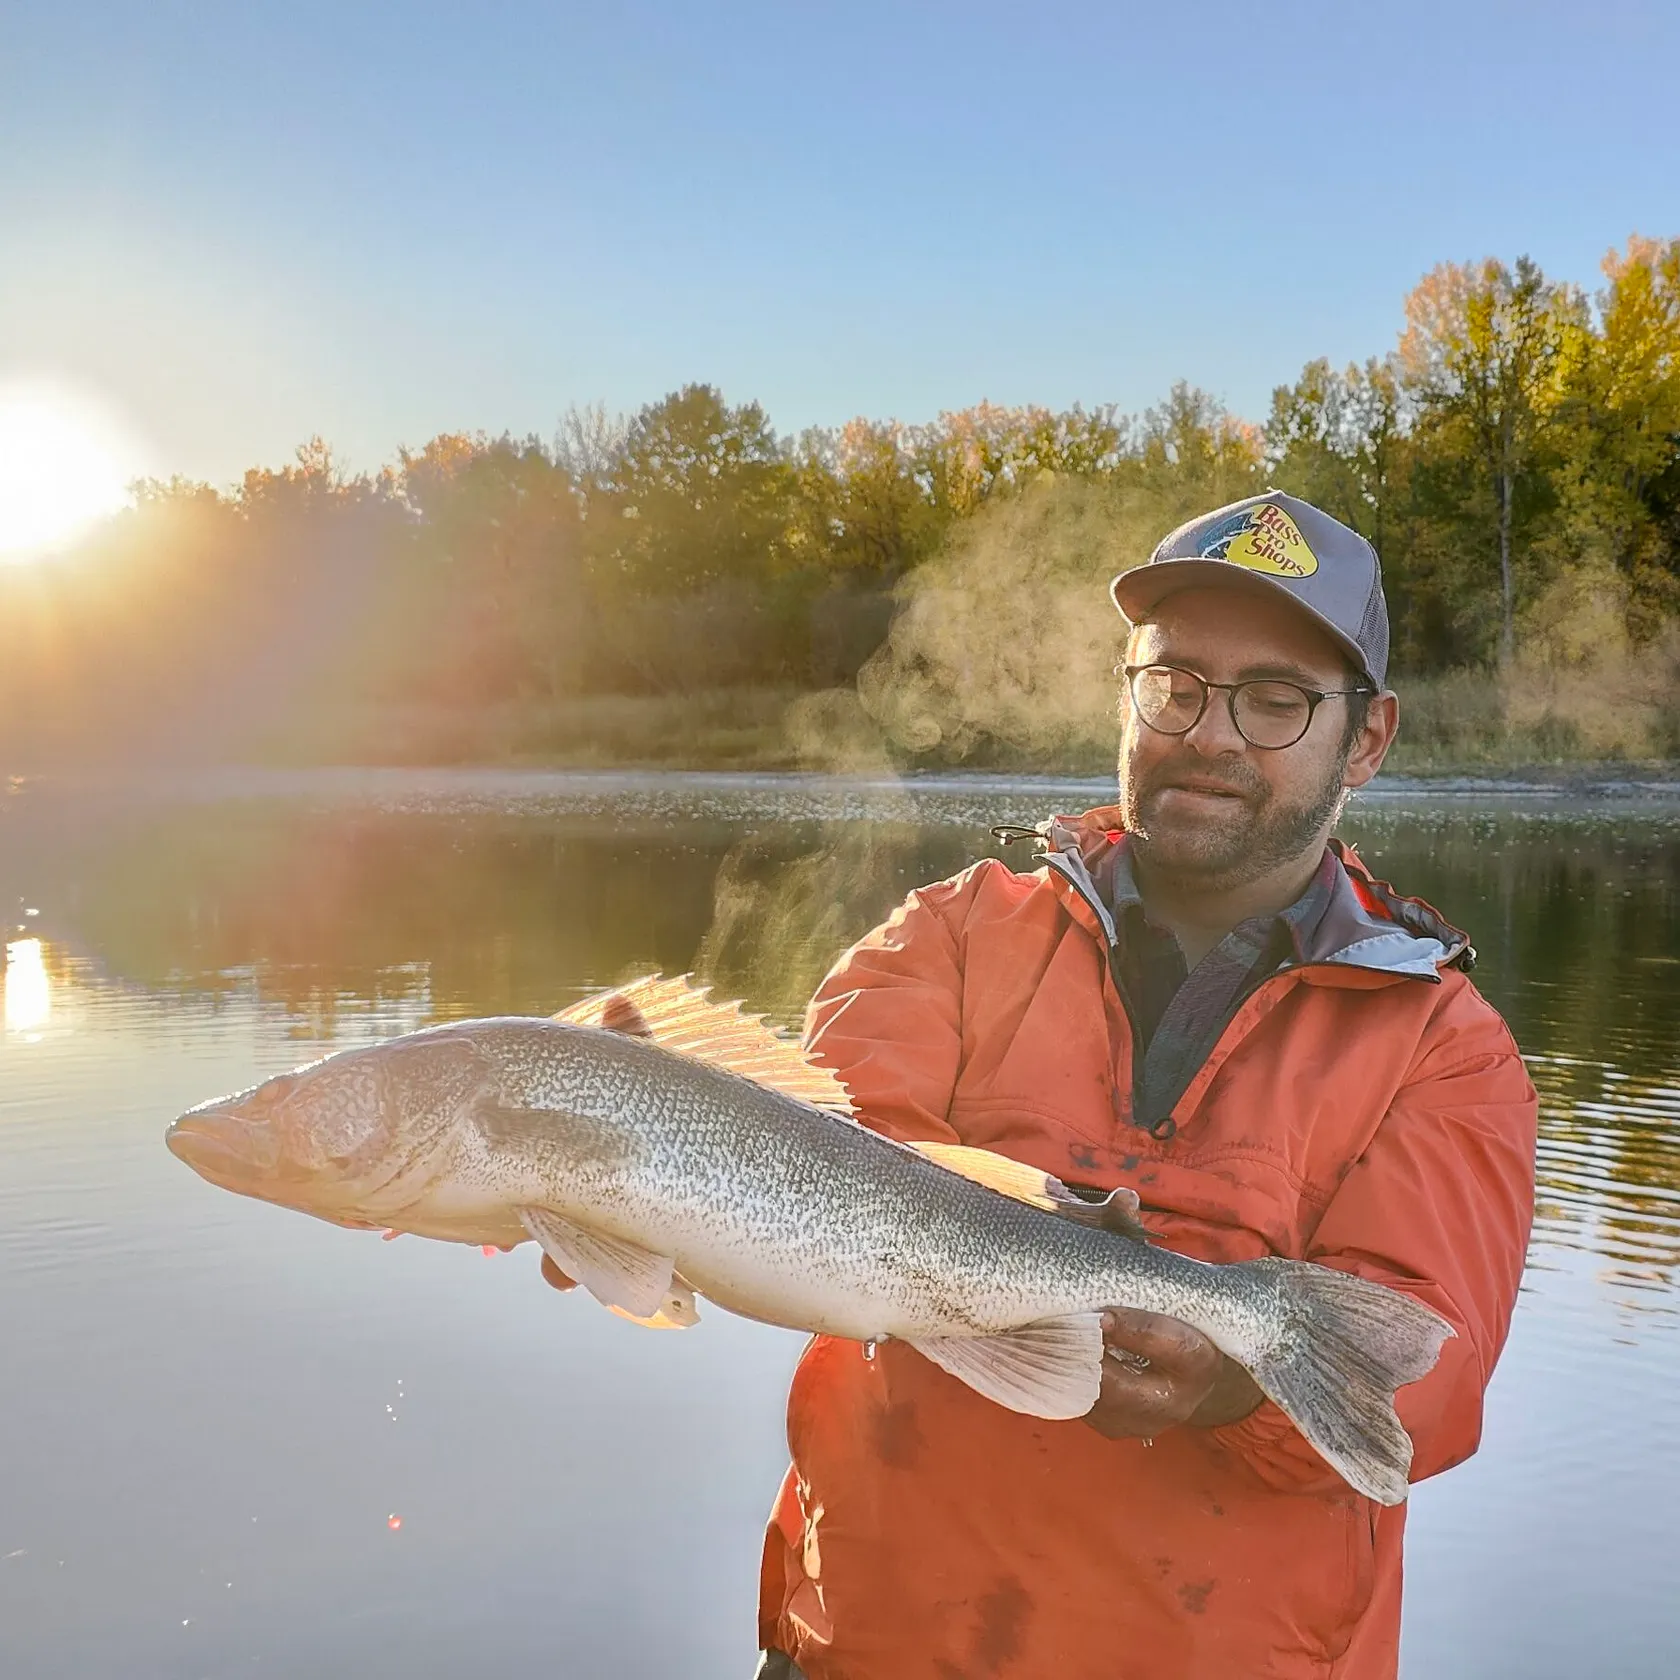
{"x":1052,"y":1369}
{"x":617,"y":1273}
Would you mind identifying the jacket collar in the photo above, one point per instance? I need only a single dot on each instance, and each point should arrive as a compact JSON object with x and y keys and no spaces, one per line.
{"x":1367,"y":924}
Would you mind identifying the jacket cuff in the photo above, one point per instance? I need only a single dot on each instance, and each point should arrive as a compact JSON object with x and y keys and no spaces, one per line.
{"x":1275,"y":1450}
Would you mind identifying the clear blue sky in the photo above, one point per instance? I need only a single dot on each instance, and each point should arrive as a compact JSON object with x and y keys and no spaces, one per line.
{"x":246,"y":224}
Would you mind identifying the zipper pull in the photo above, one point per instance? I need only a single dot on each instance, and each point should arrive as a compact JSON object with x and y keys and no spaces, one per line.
{"x":1006,"y":834}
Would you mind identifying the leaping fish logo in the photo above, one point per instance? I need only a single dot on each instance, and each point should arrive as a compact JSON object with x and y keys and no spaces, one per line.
{"x":1264,"y":539}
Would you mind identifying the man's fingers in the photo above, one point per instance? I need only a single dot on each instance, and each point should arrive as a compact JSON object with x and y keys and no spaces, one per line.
{"x":1143,"y":1392}
{"x":556,"y":1278}
{"x":1160,"y":1340}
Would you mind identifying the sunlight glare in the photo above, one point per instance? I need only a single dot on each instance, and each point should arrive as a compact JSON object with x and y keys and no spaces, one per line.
{"x":65,"y":464}
{"x":28,"y":990}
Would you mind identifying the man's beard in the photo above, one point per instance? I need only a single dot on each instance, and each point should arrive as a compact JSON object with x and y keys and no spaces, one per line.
{"x":1223,"y":850}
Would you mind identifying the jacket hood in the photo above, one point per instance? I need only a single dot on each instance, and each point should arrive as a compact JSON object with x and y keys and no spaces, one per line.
{"x":1367,"y":925}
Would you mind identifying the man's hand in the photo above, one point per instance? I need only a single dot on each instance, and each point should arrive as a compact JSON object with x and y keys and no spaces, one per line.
{"x":554,"y":1277}
{"x":1159,"y":1372}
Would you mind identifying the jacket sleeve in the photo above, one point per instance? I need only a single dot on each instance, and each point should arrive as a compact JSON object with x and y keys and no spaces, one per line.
{"x":888,"y":1018}
{"x":1439,"y":1206}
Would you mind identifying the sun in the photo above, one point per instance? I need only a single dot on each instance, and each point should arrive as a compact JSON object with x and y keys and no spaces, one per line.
{"x":65,"y":464}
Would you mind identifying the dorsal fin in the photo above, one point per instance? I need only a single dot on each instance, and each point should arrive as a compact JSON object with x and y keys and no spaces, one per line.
{"x":996,"y":1172}
{"x":619,"y":1015}
{"x":1117,"y":1214}
{"x":681,"y":1017}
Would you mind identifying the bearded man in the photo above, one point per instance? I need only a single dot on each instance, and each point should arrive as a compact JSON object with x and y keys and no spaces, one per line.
{"x":1200,"y":995}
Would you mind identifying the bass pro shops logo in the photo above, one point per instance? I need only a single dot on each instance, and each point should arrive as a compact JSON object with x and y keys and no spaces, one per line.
{"x":1263,"y":538}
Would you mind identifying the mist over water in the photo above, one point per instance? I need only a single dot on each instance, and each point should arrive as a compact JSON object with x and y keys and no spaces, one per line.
{"x":211,"y":1410}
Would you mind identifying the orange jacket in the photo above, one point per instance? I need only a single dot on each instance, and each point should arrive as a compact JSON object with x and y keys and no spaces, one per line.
{"x":1365,"y":1108}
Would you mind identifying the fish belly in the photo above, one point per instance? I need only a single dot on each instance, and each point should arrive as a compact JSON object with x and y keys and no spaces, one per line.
{"x":817,"y":1306}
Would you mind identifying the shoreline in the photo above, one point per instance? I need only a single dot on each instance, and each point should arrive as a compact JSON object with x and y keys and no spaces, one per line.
{"x":1589,"y":784}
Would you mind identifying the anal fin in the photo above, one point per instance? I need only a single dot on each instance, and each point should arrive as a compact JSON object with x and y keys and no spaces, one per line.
{"x":677,"y":1312}
{"x":617,"y":1273}
{"x":1052,"y":1369}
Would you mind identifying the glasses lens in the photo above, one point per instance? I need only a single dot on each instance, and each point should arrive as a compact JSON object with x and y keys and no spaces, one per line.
{"x":1272,"y":714}
{"x":1166,"y":699}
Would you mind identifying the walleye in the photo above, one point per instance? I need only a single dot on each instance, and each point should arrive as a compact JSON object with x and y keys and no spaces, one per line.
{"x":661,"y":1146}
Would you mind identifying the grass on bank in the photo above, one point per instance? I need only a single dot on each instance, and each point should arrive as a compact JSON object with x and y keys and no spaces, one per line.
{"x":1460,"y":722}
{"x":717,"y":729}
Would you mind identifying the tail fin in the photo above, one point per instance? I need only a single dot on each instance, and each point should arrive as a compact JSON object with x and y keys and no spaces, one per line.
{"x":1347,"y":1345}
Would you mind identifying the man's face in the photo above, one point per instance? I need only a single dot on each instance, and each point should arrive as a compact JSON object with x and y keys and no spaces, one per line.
{"x":1206,"y":804}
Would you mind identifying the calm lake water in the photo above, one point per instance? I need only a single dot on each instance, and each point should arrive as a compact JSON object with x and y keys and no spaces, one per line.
{"x":237,"y":1441}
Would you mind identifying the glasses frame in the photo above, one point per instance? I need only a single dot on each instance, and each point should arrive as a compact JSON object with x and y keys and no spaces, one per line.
{"x":1315,"y":698}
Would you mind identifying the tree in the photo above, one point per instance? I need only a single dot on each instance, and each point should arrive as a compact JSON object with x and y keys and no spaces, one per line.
{"x":702,"y":494}
{"x":1336,"y":439}
{"x":863,"y":511}
{"x":1193,"y":445}
{"x":1621,"y":424}
{"x":502,"y":608}
{"x":1485,"y":356}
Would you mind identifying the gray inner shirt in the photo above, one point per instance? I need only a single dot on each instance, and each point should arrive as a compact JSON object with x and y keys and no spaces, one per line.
{"x":1178,"y":1013}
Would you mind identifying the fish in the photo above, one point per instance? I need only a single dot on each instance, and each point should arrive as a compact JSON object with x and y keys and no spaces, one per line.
{"x":663,"y":1148}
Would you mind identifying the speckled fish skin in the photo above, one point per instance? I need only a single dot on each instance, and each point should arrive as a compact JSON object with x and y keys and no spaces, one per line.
{"x":769,"y":1207}
{"x":766,"y":1205}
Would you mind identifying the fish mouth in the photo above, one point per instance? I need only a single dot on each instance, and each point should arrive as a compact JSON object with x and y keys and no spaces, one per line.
{"x":216,"y":1146}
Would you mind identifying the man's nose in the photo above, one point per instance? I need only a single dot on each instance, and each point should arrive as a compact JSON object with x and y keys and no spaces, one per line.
{"x":1215,"y":733}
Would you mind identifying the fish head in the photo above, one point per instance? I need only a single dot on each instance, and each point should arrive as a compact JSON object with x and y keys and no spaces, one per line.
{"x":328,"y":1138}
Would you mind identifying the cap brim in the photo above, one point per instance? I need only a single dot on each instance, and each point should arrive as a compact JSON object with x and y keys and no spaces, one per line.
{"x":1139,"y":591}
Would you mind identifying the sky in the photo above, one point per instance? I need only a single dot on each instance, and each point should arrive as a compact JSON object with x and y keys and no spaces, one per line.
{"x":238,"y":226}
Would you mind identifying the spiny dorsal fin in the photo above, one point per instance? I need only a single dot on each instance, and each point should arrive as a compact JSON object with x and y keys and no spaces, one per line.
{"x":1117,"y":1214}
{"x":681,"y":1017}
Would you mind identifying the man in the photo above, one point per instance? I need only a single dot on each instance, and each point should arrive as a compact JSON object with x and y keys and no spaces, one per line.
{"x":1201,"y":996}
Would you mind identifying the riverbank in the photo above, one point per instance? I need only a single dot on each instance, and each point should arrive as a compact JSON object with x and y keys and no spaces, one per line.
{"x":1459,"y":725}
{"x":1546,"y":733}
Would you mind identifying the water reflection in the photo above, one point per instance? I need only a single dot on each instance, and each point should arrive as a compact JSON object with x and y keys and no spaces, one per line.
{"x":349,"y":920}
{"x":1609,"y":1174}
{"x":28,"y":991}
{"x":1577,"y":923}
{"x":186,"y":946}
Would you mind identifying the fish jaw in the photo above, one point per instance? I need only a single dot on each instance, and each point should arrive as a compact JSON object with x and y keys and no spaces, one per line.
{"x":229,"y":1148}
{"x":230,"y":1151}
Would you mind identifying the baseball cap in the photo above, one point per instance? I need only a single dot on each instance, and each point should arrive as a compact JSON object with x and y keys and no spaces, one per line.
{"x":1281,"y":544}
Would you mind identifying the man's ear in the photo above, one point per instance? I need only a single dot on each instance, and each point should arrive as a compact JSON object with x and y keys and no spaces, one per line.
{"x":1370,"y":748}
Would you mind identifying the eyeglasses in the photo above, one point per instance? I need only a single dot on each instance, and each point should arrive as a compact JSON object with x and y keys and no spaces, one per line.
{"x":1267,"y":713}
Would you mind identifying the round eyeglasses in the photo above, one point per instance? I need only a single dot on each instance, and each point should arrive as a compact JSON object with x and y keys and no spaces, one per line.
{"x":1267,"y":712}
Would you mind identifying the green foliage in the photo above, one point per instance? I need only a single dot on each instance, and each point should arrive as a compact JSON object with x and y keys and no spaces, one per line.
{"x":700,"y":493}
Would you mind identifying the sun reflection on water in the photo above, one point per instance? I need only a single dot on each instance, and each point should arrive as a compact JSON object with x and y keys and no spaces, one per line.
{"x":28,"y":990}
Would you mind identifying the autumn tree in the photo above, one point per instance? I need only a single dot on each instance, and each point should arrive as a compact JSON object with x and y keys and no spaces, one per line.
{"x":1620,"y":425}
{"x":864,"y":511}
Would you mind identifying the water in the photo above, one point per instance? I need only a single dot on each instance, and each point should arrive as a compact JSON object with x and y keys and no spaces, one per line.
{"x":236,"y":1441}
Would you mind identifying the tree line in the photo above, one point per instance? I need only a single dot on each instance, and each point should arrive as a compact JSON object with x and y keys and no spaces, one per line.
{"x":1515,"y":458}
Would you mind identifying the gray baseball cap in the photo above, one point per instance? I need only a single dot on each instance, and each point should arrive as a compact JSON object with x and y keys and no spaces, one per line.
{"x":1280,"y":544}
